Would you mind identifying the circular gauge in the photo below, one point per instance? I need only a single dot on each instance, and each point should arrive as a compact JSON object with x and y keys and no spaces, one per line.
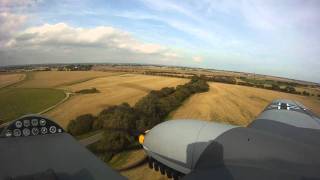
{"x":26,"y":123}
{"x":43,"y":122}
{"x":44,"y":130}
{"x":26,"y":132}
{"x":52,"y":129}
{"x":17,"y":132}
{"x":34,"y":122}
{"x":8,"y":133}
{"x":35,"y":131}
{"x":18,"y":124}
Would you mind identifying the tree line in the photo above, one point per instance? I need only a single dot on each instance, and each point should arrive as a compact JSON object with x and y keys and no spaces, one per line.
{"x":121,"y":121}
{"x":273,"y":85}
{"x":76,"y":67}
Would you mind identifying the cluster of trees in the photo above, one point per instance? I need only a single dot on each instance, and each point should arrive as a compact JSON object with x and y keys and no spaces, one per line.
{"x":222,"y":79}
{"x":82,"y":124}
{"x":157,"y":105}
{"x":170,"y":74}
{"x":275,"y":87}
{"x":258,"y":83}
{"x":305,"y":93}
{"x":270,"y":81}
{"x":76,"y":67}
{"x":121,"y":121}
{"x":88,"y":91}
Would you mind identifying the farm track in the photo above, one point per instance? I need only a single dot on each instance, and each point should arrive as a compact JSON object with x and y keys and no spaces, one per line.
{"x":68,"y":95}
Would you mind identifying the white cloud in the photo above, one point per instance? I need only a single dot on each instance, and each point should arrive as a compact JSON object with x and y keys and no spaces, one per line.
{"x":9,"y":24}
{"x":12,"y":17}
{"x":197,"y":59}
{"x":17,"y":5}
{"x":172,"y":55}
{"x":61,"y":34}
{"x":56,"y":43}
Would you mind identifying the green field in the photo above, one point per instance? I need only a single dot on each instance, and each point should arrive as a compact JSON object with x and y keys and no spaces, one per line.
{"x":15,"y":102}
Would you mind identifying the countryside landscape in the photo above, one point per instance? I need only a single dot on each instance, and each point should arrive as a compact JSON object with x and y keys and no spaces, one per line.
{"x":89,"y":99}
{"x":159,"y":89}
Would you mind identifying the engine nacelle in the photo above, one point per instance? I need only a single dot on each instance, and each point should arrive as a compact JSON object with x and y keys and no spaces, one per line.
{"x":179,"y":143}
{"x":178,"y":147}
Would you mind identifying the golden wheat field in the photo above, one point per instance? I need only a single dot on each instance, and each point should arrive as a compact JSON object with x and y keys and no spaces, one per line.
{"x":9,"y":79}
{"x":235,"y":104}
{"x":50,"y":79}
{"x":223,"y":103}
{"x":113,"y":90}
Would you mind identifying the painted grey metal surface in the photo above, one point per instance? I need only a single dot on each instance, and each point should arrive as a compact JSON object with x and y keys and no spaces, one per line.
{"x":293,"y":118}
{"x":279,"y":144}
{"x":245,"y":153}
{"x":53,"y":155}
{"x":301,"y":135}
{"x":60,"y":153}
{"x":282,"y":143}
{"x":172,"y":142}
{"x":295,"y":115}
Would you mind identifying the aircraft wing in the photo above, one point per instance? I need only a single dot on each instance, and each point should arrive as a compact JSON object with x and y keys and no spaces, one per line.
{"x":283,"y":143}
{"x":290,"y":119}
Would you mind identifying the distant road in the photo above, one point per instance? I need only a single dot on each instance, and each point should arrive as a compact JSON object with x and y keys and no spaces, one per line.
{"x":90,"y":140}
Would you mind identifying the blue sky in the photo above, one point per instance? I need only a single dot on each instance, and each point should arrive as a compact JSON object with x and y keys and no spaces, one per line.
{"x":269,"y":37}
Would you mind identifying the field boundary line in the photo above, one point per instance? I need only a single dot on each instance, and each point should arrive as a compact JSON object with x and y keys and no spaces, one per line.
{"x":15,"y":83}
{"x":84,"y":80}
{"x":68,"y":95}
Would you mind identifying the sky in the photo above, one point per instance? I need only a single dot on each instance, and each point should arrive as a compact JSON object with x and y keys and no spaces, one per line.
{"x":272,"y":37}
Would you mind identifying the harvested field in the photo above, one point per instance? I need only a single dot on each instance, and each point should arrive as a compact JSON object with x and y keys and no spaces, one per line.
{"x":113,"y":90}
{"x":235,"y":104}
{"x":50,"y":79}
{"x":9,"y":79}
{"x":226,"y":103}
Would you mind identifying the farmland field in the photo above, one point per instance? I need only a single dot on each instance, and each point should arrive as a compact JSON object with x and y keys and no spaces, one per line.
{"x":235,"y":104}
{"x":52,"y":79}
{"x":113,"y":90}
{"x":223,"y":103}
{"x":15,"y":102}
{"x":9,"y":79}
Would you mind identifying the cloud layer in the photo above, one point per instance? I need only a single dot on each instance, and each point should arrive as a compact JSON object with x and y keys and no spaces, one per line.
{"x":269,"y":37}
{"x":63,"y":35}
{"x":9,"y":24}
{"x":63,"y":42}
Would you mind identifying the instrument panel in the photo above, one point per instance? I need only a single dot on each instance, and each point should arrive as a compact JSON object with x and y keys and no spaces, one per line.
{"x":31,"y":125}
